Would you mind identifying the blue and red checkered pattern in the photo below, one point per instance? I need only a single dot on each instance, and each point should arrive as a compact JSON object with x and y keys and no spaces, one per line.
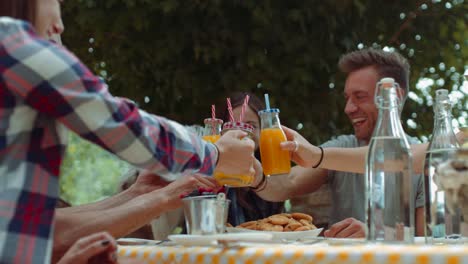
{"x":44,"y":92}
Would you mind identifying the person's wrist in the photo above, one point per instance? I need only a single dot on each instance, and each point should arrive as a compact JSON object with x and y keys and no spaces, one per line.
{"x":257,"y":181}
{"x":154,"y":203}
{"x":260,"y":185}
{"x":133,"y":189}
{"x":132,"y":192}
{"x":320,"y":157}
{"x":217,"y":154}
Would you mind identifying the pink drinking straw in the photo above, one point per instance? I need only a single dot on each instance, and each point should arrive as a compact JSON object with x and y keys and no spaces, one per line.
{"x":213,"y":116}
{"x":231,"y":114}
{"x":213,"y":111}
{"x":244,"y":107}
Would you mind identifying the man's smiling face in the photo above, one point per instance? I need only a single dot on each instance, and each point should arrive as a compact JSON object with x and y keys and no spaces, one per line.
{"x":360,"y":107}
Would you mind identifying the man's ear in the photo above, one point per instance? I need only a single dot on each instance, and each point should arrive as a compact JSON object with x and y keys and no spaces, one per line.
{"x":402,"y":93}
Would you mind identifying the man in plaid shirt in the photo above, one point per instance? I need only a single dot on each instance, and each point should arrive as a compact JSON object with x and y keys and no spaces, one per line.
{"x":45,"y":91}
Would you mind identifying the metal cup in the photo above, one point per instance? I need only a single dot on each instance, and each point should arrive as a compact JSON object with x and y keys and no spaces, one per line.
{"x":206,"y":215}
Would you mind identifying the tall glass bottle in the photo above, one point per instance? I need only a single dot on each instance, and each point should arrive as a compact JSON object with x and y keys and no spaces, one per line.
{"x":391,"y":199}
{"x":275,"y":161}
{"x":235,"y":180}
{"x":440,"y":224}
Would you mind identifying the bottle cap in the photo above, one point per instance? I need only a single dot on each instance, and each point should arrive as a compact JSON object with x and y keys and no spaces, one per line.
{"x":387,"y":82}
{"x":238,"y":125}
{"x":442,"y":94}
{"x":271,"y":110}
{"x":212,"y":121}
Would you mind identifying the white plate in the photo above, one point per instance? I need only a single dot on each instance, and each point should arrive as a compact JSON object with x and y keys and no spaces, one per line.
{"x":343,"y":241}
{"x":280,"y":236}
{"x":128,"y":241}
{"x":212,"y":240}
{"x":193,"y":240}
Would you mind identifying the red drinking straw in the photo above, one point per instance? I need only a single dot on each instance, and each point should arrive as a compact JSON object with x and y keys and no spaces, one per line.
{"x":231,"y":114}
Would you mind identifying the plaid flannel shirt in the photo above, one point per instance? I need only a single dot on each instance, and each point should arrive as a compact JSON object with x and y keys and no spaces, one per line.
{"x":45,"y":91}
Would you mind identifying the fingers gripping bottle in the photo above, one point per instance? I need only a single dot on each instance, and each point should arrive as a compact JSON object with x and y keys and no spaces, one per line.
{"x":236,"y":180}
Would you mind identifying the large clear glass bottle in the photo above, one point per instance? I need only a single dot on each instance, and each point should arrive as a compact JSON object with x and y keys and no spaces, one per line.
{"x":440,"y":224}
{"x":391,"y":199}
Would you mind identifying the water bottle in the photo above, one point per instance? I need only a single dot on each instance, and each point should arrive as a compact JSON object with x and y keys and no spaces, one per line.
{"x":390,"y":196}
{"x":441,"y":226}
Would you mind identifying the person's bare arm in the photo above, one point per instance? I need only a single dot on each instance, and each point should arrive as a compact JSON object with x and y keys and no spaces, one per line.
{"x":119,"y":220}
{"x":146,"y":182}
{"x":419,"y":222}
{"x":300,"y":181}
{"x":107,"y":203}
{"x":354,"y":159}
{"x":339,"y":159}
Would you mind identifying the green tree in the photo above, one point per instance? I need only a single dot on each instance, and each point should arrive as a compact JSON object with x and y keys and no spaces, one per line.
{"x":182,"y":55}
{"x":88,"y":172}
{"x":176,"y":57}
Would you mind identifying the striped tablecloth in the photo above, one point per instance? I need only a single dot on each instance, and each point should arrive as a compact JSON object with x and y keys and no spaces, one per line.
{"x":320,"y":254}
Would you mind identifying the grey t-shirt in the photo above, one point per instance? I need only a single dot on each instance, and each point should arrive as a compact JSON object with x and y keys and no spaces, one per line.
{"x":347,"y":189}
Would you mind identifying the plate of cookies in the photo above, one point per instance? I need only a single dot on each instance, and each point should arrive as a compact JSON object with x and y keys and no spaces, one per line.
{"x":283,"y":227}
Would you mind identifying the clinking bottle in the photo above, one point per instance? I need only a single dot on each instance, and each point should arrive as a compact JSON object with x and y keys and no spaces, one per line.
{"x":275,"y":161}
{"x":235,"y":180}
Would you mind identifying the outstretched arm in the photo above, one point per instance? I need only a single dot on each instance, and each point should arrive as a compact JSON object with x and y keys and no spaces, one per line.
{"x":300,"y":181}
{"x":120,"y":219}
{"x":68,"y":92}
{"x":343,"y":159}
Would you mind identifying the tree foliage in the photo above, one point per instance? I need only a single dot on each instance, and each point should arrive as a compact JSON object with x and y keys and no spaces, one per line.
{"x":177,"y":57}
{"x":89,"y":173}
{"x":183,"y":55}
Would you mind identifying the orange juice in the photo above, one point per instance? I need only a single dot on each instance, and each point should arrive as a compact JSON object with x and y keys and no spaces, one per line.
{"x":211,"y":138}
{"x":233,"y":180}
{"x":230,"y":180}
{"x":274,"y":160}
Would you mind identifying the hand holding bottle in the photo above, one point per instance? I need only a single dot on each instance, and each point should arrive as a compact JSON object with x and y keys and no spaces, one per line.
{"x":236,"y":154}
{"x":303,"y":153}
{"x":275,"y":161}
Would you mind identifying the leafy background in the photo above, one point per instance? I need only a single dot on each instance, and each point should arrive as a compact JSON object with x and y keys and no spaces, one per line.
{"x":175,"y":58}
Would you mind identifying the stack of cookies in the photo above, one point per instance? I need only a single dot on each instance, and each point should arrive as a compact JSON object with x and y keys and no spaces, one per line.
{"x":281,"y":223}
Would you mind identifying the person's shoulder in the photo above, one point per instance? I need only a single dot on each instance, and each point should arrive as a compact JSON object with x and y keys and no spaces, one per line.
{"x":344,"y":141}
{"x":10,"y":25}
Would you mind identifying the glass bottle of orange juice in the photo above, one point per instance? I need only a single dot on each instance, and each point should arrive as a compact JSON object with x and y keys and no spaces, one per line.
{"x":274,"y":160}
{"x":235,"y":180}
{"x":212,"y":130}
